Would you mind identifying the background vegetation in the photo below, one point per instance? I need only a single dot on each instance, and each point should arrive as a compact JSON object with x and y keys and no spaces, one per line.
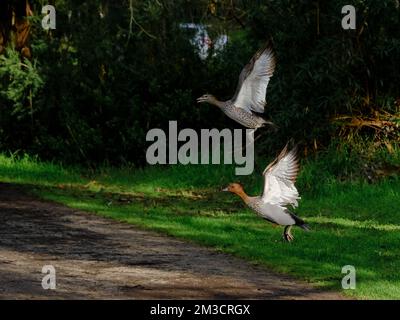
{"x":112,"y":70}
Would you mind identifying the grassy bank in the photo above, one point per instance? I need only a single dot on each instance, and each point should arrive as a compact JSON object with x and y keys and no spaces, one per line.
{"x":353,"y":223}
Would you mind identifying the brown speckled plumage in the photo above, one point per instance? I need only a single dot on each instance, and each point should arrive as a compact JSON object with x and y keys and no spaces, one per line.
{"x":249,"y":98}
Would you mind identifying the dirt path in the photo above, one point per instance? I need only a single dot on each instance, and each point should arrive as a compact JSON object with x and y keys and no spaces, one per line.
{"x":98,"y":258}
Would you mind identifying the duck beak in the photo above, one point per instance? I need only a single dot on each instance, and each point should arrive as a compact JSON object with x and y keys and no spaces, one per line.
{"x":201,"y":99}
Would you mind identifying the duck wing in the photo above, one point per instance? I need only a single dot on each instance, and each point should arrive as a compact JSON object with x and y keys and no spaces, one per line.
{"x":254,"y":79}
{"x":279,"y":178}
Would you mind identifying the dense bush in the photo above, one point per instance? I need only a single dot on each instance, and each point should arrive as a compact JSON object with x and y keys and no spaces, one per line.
{"x":113,"y":70}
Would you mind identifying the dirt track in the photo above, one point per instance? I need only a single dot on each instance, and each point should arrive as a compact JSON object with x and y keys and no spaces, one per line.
{"x":97,"y":258}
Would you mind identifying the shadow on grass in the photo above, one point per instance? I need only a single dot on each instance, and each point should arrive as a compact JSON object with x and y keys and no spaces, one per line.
{"x":51,"y":230}
{"x":219,"y":222}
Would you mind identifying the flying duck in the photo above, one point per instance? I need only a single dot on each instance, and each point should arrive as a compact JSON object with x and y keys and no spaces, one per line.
{"x":249,"y":98}
{"x":279,"y":192}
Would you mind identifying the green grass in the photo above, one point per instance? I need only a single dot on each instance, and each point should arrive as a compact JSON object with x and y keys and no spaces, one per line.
{"x":353,"y":223}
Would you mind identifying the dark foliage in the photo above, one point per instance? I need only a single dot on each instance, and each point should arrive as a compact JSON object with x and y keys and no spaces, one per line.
{"x":112,"y":70}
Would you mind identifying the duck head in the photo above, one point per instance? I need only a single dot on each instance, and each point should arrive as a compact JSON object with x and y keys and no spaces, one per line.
{"x":234,"y":188}
{"x":209,"y":98}
{"x":237,"y":189}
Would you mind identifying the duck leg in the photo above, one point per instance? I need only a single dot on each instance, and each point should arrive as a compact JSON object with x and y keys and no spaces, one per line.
{"x":287,"y":235}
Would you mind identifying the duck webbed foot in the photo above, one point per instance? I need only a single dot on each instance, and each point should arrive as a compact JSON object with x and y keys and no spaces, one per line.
{"x":287,"y":235}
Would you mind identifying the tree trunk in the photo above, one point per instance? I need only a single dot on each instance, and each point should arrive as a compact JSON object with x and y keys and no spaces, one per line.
{"x":14,"y":25}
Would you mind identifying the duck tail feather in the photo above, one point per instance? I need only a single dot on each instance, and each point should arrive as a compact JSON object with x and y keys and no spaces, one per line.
{"x":300,"y":223}
{"x":269,"y":125}
{"x":305,"y":227}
